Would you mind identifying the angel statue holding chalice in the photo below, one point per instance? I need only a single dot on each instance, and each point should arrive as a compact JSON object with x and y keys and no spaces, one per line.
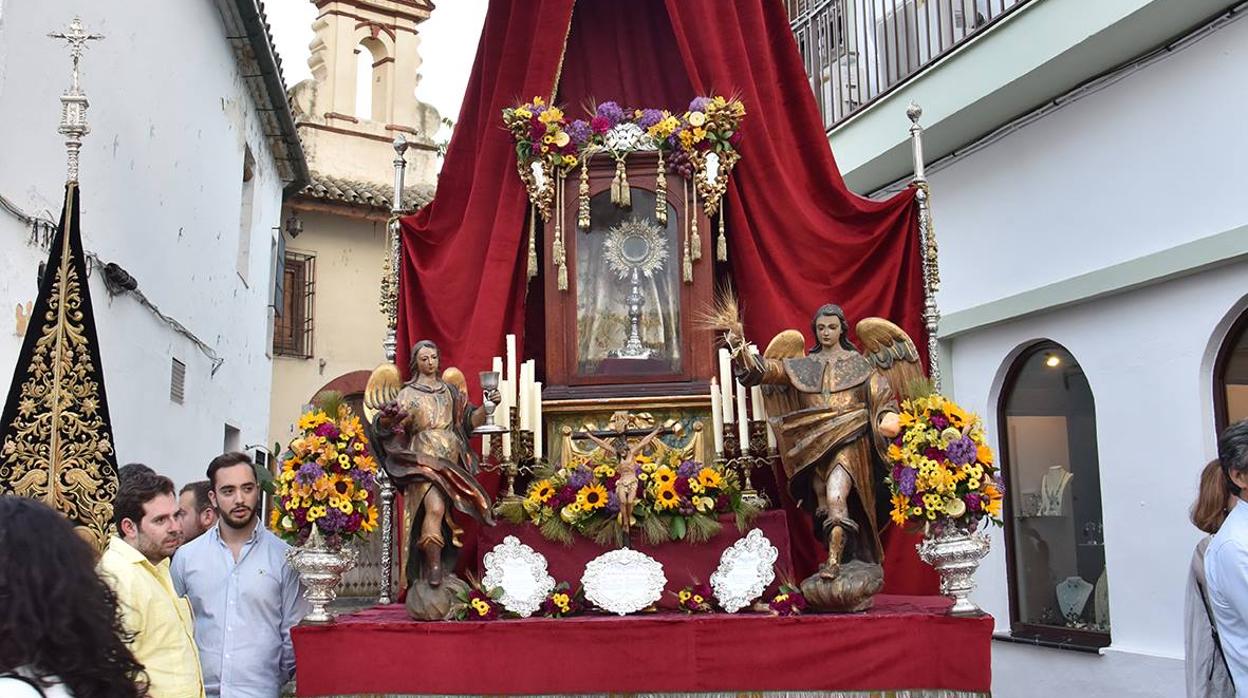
{"x":419,"y":431}
{"x":833,"y":410}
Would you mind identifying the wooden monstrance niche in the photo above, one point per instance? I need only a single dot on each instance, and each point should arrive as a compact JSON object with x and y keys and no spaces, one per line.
{"x":625,"y":325}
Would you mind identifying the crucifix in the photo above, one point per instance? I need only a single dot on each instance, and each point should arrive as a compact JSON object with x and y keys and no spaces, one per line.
{"x":615,"y":440}
{"x":74,"y":101}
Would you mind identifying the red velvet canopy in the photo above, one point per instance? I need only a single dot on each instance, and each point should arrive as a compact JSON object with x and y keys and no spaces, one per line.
{"x":797,"y":237}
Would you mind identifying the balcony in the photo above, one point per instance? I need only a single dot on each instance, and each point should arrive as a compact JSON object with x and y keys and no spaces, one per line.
{"x":974,"y":66}
{"x":857,"y":51}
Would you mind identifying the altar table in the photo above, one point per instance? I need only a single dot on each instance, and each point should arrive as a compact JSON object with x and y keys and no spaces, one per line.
{"x":905,"y":643}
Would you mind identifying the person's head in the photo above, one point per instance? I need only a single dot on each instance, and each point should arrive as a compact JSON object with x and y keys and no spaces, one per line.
{"x":830,"y":328}
{"x":235,"y":492}
{"x":1214,"y":499}
{"x":425,"y":358}
{"x":146,"y":514}
{"x":1233,"y":454}
{"x":195,"y":512}
{"x":129,"y":470}
{"x":58,"y":618}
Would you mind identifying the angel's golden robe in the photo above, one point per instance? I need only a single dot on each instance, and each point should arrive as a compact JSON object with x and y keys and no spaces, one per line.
{"x":825,"y":410}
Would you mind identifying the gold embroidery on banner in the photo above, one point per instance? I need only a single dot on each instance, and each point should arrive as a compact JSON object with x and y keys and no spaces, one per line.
{"x":58,"y":444}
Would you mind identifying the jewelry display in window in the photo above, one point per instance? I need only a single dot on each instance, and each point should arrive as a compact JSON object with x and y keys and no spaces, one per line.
{"x":1072,"y":598}
{"x":1053,"y":490}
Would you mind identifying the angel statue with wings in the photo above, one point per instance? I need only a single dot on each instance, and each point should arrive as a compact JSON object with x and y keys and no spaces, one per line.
{"x":833,"y":410}
{"x":419,"y":431}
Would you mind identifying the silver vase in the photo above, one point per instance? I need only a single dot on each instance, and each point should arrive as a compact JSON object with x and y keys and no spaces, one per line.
{"x":956,"y":554}
{"x":321,"y":568}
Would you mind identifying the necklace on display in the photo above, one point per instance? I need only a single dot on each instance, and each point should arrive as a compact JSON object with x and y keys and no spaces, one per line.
{"x":1072,"y":596}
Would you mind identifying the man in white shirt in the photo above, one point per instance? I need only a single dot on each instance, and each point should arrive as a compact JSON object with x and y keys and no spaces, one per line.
{"x":1226,"y":560}
{"x":245,"y":595}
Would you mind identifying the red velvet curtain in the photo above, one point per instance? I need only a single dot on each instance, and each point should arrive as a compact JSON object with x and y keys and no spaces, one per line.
{"x":797,"y":238}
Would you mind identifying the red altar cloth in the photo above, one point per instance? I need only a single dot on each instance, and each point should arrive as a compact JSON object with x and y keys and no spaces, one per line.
{"x":905,"y":642}
{"x":683,"y":564}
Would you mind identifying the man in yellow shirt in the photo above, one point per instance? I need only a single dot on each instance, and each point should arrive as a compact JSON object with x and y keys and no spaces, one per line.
{"x":137,"y":567}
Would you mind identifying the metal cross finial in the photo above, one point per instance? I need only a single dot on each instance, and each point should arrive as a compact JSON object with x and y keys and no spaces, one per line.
{"x":74,"y":103}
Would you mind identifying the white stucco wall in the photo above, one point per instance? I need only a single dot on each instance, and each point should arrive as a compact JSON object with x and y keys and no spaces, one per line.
{"x":1152,"y":162}
{"x":161,"y":196}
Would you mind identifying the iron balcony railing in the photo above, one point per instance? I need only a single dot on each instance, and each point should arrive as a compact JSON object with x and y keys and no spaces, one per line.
{"x":857,"y":51}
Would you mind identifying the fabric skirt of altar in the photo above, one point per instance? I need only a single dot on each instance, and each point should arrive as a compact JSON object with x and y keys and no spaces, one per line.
{"x":905,"y":644}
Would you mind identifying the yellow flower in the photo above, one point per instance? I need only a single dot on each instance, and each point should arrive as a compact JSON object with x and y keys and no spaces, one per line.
{"x":344,"y":460}
{"x":685,"y":595}
{"x":697,"y":598}
{"x":312,"y":420}
{"x":315,"y":513}
{"x":699,"y":134}
{"x":523,"y":113}
{"x":686,"y":139}
{"x":592,"y":497}
{"x":894,"y":452}
{"x":664,"y":476}
{"x":571,"y":512}
{"x":541,"y":491}
{"x":539,"y":101}
{"x":695,"y":486}
{"x":274,"y":517}
{"x":345,"y":506}
{"x":286,"y":476}
{"x":984,"y":455}
{"x":604,"y":471}
{"x":709,"y":478}
{"x":562,"y":138}
{"x":551,"y":115}
{"x":696,"y":118}
{"x":370,"y":524}
{"x":781,"y":597}
{"x":949,"y":435}
{"x":569,"y":160}
{"x":972,"y":484}
{"x":957,"y":416}
{"x":905,"y":419}
{"x":667,"y":498}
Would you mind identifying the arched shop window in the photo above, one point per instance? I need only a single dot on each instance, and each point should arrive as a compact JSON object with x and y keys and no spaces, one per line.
{"x":1054,"y":544}
{"x":1230,"y":376}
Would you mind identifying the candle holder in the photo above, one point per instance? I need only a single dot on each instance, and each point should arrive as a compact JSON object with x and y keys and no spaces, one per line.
{"x":756,"y":454}
{"x":520,"y":460}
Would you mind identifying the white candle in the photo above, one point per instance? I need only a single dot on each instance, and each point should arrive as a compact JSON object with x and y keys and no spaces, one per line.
{"x":500,"y":416}
{"x":717,"y":418}
{"x":756,"y":402}
{"x":743,"y":421}
{"x":725,"y":384}
{"x":511,"y":364}
{"x":537,"y":419}
{"x":523,"y":398}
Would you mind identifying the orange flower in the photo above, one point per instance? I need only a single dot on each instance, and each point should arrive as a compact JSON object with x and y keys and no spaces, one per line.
{"x":984,"y":454}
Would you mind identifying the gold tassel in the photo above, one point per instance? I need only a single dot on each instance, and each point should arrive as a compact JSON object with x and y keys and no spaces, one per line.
{"x":615,"y":183}
{"x":721,"y":245}
{"x":582,"y":213}
{"x":562,"y":257}
{"x":660,"y":193}
{"x":532,"y":243}
{"x":687,"y":263}
{"x":693,"y":217}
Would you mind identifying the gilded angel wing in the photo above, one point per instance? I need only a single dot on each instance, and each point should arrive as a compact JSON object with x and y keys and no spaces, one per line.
{"x":786,"y":345}
{"x":789,"y":344}
{"x":383,"y":386}
{"x":455,"y":377}
{"x":892,"y":352}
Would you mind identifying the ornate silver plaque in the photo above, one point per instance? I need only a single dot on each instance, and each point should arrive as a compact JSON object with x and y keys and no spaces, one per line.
{"x":623,"y":581}
{"x":520,"y":571}
{"x":745,"y":569}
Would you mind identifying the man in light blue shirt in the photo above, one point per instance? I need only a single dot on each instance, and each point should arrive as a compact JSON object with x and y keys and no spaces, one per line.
{"x":245,"y":596}
{"x":1226,"y":560}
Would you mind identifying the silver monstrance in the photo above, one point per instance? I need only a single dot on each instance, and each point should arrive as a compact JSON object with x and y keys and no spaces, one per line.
{"x":635,"y":248}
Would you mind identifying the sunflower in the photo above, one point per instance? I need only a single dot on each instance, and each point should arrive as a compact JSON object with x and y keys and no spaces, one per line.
{"x":664,"y":476}
{"x":541,"y":491}
{"x":592,"y":497}
{"x":342,"y":486}
{"x":667,"y":498}
{"x":709,"y":478}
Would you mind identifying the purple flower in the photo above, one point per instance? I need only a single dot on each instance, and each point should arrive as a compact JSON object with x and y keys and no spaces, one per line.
{"x":687,"y":469}
{"x":308,"y":473}
{"x":612,"y":112}
{"x":649,"y":117}
{"x":973,"y":502}
{"x":333,"y":521}
{"x":905,"y":484}
{"x":329,"y":430}
{"x":962,"y":451}
{"x":580,"y":477}
{"x":699,"y":103}
{"x":363,"y":478}
{"x":939,"y":421}
{"x":579,"y":131}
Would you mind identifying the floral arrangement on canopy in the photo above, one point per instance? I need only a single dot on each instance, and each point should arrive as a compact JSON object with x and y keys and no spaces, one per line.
{"x":677,"y":499}
{"x":326,"y":478}
{"x":943,"y":472}
{"x":700,"y":144}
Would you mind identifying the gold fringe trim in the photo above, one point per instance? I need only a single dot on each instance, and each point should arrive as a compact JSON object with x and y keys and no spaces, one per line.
{"x":693,"y":217}
{"x":687,"y":263}
{"x":561,"y":257}
{"x":660,"y":193}
{"x":582,"y":211}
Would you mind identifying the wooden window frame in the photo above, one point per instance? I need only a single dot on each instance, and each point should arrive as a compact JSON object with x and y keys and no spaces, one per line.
{"x":294,"y":326}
